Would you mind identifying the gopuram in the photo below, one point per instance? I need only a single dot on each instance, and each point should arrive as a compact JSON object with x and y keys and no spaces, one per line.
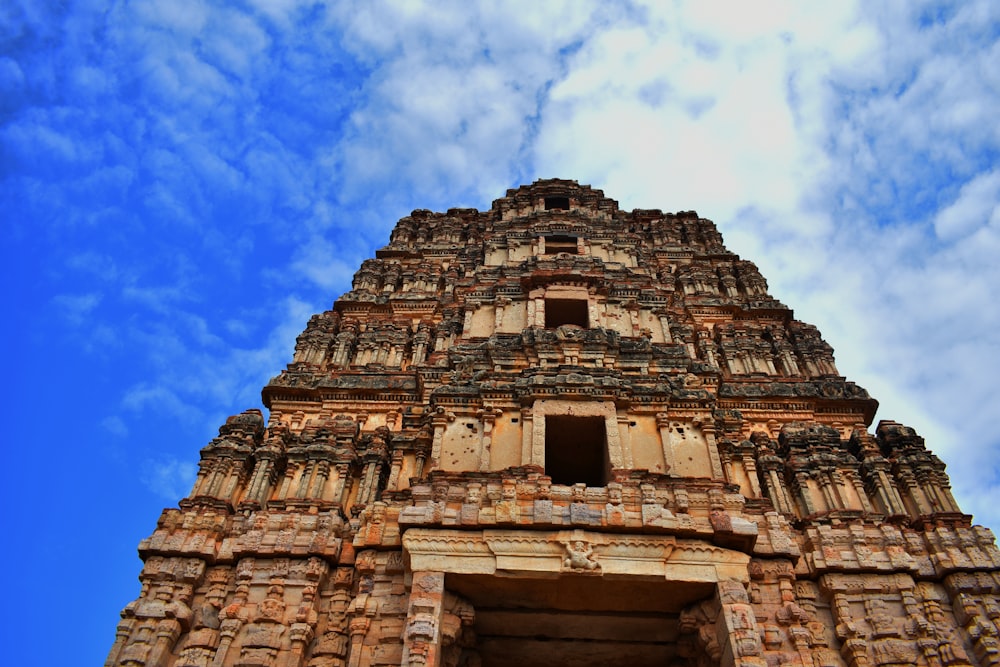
{"x":559,"y":433}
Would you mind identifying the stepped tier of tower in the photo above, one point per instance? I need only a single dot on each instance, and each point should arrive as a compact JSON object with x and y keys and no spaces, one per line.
{"x":556,"y":432}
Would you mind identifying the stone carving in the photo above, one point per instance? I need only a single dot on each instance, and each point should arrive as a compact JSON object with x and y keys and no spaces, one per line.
{"x":580,"y":557}
{"x":555,"y":423}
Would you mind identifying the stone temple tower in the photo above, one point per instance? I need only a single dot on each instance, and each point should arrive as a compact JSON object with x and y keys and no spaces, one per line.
{"x":559,"y":433}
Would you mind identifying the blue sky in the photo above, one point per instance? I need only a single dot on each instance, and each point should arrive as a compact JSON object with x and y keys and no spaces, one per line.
{"x":183,"y":183}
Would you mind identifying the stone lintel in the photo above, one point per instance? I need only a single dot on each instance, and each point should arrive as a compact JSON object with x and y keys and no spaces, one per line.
{"x":552,"y":553}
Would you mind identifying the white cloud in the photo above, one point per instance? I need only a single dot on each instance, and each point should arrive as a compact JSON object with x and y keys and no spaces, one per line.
{"x":115,"y":426}
{"x":169,"y":478}
{"x":977,"y":205}
{"x":77,"y":309}
{"x":849,"y":149}
{"x":823,"y":140}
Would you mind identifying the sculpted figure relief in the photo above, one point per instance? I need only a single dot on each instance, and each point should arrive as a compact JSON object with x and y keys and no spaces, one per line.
{"x":580,"y":556}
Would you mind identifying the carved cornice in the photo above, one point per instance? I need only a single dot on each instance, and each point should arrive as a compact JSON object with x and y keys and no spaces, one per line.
{"x":546,"y":553}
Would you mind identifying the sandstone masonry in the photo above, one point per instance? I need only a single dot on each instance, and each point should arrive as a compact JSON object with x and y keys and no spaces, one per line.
{"x":558,"y":433}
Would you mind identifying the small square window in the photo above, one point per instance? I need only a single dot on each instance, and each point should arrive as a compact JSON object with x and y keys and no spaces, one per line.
{"x":557,"y":203}
{"x":559,"y":312}
{"x":556,"y":244}
{"x":576,"y":450}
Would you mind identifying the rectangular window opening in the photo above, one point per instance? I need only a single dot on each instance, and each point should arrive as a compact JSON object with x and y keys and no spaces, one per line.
{"x":559,"y":312}
{"x":557,"y":203}
{"x":576,"y":450}
{"x":557,"y":243}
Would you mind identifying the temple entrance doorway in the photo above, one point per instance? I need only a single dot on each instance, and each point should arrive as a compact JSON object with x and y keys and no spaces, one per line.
{"x":578,"y":620}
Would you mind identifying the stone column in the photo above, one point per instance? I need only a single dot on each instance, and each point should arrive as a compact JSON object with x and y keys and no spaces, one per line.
{"x":319,"y":482}
{"x":122,"y":633}
{"x":498,"y":309}
{"x":663,"y":422}
{"x":665,"y":325}
{"x":286,"y":481}
{"x":536,"y":453}
{"x":307,"y":471}
{"x":737,"y":631}
{"x":489,"y":417}
{"x":619,"y":444}
{"x":341,"y":489}
{"x":887,"y":491}
{"x":713,"y":450}
{"x":263,"y":477}
{"x":440,"y":421}
{"x":395,"y":465}
{"x":234,"y":480}
{"x":467,"y":323}
{"x":750,"y":467}
{"x":527,"y":435}
{"x":422,"y":635}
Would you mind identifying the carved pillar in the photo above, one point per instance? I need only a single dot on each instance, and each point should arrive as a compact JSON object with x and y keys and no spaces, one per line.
{"x":665,"y":326}
{"x":341,"y":489}
{"x":122,"y":633}
{"x":776,"y":490}
{"x":625,"y":432}
{"x":827,"y":481}
{"x":232,"y":616}
{"x":263,"y":477}
{"x":633,"y":317}
{"x":713,"y":450}
{"x":422,"y":635}
{"x":750,"y":467}
{"x":527,"y":435}
{"x":319,"y":481}
{"x":330,"y":649}
{"x":467,"y":322}
{"x":488,"y":416}
{"x":235,"y":478}
{"x":663,"y":423}
{"x":420,"y":342}
{"x":859,"y":488}
{"x":440,"y":421}
{"x":620,"y":447}
{"x":375,"y":458}
{"x":707,"y":347}
{"x":307,"y":471}
{"x":395,"y":465}
{"x":908,"y":481}
{"x":536,"y":450}
{"x":498,"y":308}
{"x":167,"y":632}
{"x":736,"y":630}
{"x":805,"y":493}
{"x":285,"y":486}
{"x":358,"y":628}
{"x":209,"y":475}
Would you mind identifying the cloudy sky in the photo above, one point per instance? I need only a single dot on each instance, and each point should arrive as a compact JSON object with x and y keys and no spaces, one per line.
{"x":184,"y":182}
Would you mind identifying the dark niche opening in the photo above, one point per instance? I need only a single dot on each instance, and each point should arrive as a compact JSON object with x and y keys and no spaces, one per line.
{"x":557,"y":203}
{"x":576,"y":450}
{"x":557,"y":243}
{"x":566,"y":311}
{"x":579,"y":621}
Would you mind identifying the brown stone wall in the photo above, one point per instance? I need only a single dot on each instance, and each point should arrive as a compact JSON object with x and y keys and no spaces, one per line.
{"x":396,"y":506}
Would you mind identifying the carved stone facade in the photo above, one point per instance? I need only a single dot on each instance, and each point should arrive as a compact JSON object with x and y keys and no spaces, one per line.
{"x":554,"y":433}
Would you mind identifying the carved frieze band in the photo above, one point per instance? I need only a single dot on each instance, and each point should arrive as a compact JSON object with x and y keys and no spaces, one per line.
{"x":541,"y":553}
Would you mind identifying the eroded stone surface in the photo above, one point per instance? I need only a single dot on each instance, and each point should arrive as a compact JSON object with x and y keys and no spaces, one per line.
{"x":556,"y":432}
